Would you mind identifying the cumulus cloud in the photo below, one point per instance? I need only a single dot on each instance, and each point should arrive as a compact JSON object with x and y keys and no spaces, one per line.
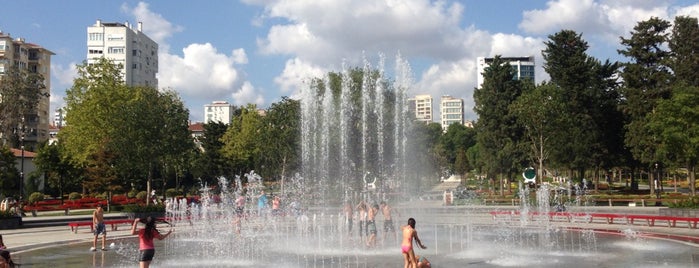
{"x":201,"y":72}
{"x":247,"y":94}
{"x":154,"y":25}
{"x":296,"y":73}
{"x":61,"y":79}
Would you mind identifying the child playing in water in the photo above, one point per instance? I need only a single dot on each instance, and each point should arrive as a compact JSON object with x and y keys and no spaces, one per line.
{"x":409,"y":233}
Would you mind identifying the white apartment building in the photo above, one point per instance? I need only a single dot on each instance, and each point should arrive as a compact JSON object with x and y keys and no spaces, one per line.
{"x":34,"y":59}
{"x":523,"y":66}
{"x":131,"y":48}
{"x":218,"y":111}
{"x":451,"y":111}
{"x":422,"y":106}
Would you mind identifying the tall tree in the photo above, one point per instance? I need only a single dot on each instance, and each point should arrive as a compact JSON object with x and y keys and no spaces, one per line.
{"x":676,"y":124}
{"x":586,"y":87}
{"x":281,"y":140}
{"x":499,"y":133}
{"x":9,"y":175}
{"x":20,"y":93}
{"x":242,"y":145}
{"x":684,"y":46}
{"x":133,"y":130}
{"x":538,"y":110}
{"x":646,"y":81}
{"x":61,"y":175}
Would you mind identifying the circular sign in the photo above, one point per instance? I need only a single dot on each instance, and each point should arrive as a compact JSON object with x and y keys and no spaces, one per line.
{"x":529,"y":174}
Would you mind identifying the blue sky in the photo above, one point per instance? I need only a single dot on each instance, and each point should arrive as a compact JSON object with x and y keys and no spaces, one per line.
{"x":261,"y":50}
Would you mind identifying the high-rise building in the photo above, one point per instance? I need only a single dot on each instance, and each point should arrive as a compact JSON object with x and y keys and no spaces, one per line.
{"x":451,"y":111}
{"x":421,"y":105}
{"x":523,"y":66}
{"x":34,"y":59}
{"x":131,"y":48}
{"x":218,"y":111}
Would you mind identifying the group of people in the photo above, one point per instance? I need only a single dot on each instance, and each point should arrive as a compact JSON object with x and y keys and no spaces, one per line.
{"x":367,"y":227}
{"x":146,"y":235}
{"x":366,"y":215}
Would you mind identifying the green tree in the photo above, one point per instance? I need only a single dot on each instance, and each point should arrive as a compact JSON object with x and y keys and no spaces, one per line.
{"x":60,"y":173}
{"x":676,"y":123}
{"x":453,"y":145}
{"x":588,"y":97}
{"x":212,"y":164}
{"x":242,"y":143}
{"x":538,"y":111}
{"x":646,"y":81}
{"x":684,"y":46}
{"x":131,"y":133}
{"x":21,"y":92}
{"x":499,"y":132}
{"x":9,"y":175}
{"x":281,"y":138}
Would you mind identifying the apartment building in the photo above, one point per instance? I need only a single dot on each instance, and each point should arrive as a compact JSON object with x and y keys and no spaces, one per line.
{"x":34,"y":59}
{"x":421,"y":106}
{"x":218,"y":111}
{"x":122,"y":44}
{"x":451,"y":111}
{"x":523,"y":66}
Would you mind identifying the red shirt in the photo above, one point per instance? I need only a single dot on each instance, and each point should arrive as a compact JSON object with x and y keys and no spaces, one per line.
{"x":144,"y":242}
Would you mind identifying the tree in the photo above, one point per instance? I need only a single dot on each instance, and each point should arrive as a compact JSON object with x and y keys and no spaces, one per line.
{"x":21,"y":92}
{"x":538,"y":110}
{"x":646,"y":81}
{"x":499,"y":133}
{"x":61,"y":175}
{"x":212,"y":164}
{"x":241,"y":143}
{"x":281,"y":138}
{"x":452,"y":146}
{"x":676,"y":123}
{"x":684,"y":46}
{"x":9,"y":175}
{"x":135,"y":131}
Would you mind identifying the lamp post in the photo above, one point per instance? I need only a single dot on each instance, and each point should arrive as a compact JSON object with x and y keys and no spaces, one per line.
{"x":21,"y":173}
{"x":658,"y":186}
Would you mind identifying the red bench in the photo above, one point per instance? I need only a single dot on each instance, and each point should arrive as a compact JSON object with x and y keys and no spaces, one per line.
{"x":113,"y":223}
{"x":609,"y":217}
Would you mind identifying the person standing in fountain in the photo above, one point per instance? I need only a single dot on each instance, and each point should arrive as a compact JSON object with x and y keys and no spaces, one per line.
{"x":388,"y":226}
{"x":362,"y":211}
{"x":145,"y":238}
{"x":371,"y":225}
{"x":349,"y":214}
{"x":261,"y":203}
{"x":99,"y":227}
{"x":406,"y":247}
{"x":276,"y":205}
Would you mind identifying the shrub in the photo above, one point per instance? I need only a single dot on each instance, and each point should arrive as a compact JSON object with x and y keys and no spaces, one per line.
{"x":35,"y":197}
{"x":74,"y":196}
{"x":134,"y":208}
{"x":691,"y":202}
{"x":142,"y":195}
{"x":7,"y":214}
{"x":132,"y":194}
{"x":172,"y":192}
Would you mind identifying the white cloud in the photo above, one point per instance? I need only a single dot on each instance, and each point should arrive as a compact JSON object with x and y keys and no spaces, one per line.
{"x":585,"y":16}
{"x":201,"y":73}
{"x":296,"y":73}
{"x":62,"y":79}
{"x":247,"y":94}
{"x":692,"y":11}
{"x":154,"y":25}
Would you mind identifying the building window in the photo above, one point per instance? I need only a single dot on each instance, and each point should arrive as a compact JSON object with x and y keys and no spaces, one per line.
{"x":115,"y":50}
{"x":116,"y":37}
{"x":95,"y":51}
{"x":96,"y":36}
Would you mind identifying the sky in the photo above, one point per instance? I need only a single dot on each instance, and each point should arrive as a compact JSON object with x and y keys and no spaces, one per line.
{"x":257,"y":51}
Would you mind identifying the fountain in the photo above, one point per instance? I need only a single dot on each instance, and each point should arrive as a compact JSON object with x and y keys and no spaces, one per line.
{"x":355,"y":127}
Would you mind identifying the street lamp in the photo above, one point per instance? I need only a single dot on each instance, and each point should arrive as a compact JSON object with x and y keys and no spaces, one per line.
{"x":658,"y":185}
{"x":21,"y":173}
